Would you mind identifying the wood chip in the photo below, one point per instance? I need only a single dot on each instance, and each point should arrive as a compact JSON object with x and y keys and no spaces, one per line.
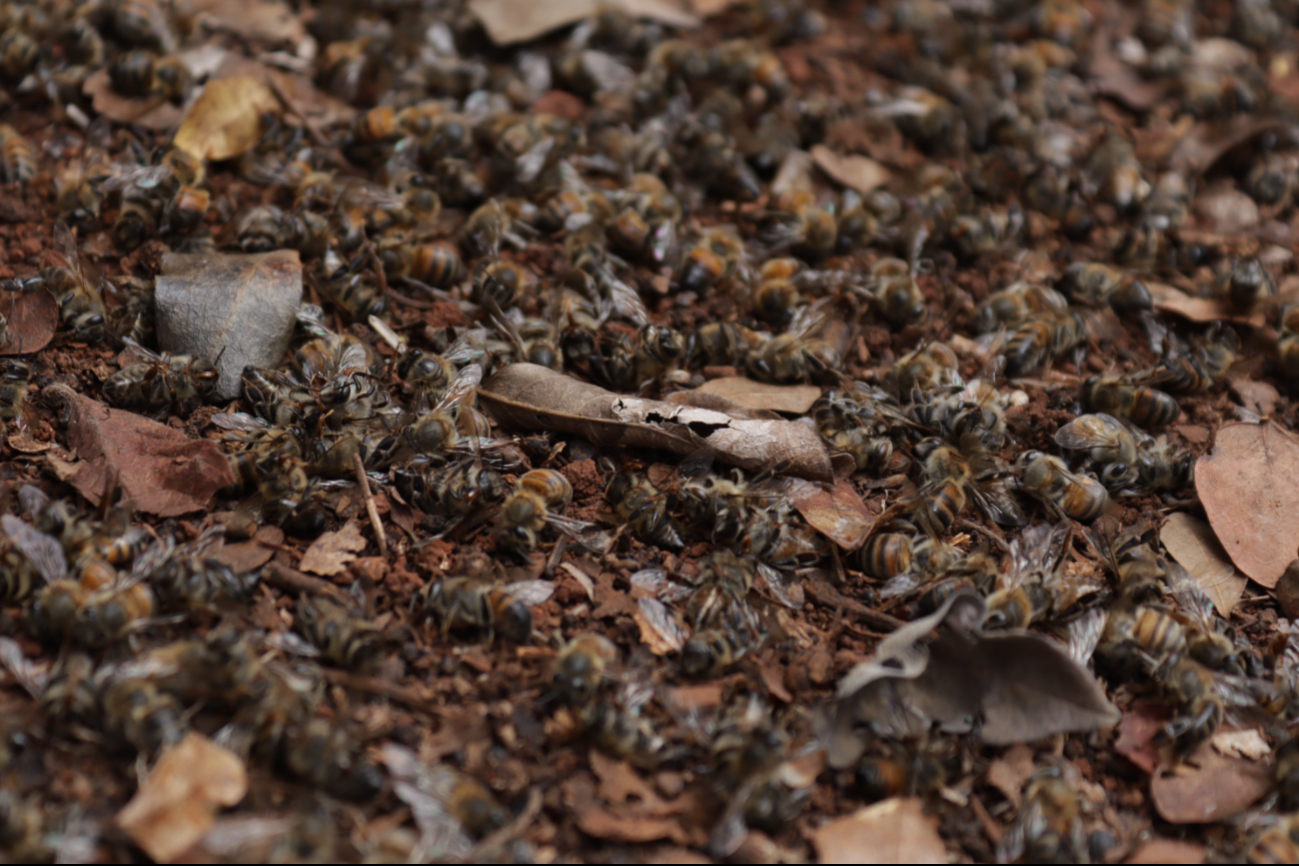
{"x":893,"y":831}
{"x":1192,"y":543}
{"x":1255,"y":518}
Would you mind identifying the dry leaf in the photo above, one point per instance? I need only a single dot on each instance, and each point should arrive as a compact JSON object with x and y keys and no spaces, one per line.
{"x":1137,"y":731}
{"x":246,"y":556}
{"x":1207,"y":142}
{"x":1226,"y":210}
{"x":1173,"y":300}
{"x":1208,"y":787}
{"x":794,"y":174}
{"x":330,"y":553}
{"x":226,"y":119}
{"x":1009,"y":772}
{"x":304,"y":97}
{"x":581,"y":577}
{"x":147,"y":111}
{"x":1193,"y":544}
{"x":792,"y":399}
{"x":1248,"y":744}
{"x":838,"y":513}
{"x":510,"y":21}
{"x":532,"y":397}
{"x":162,"y":471}
{"x":177,"y":804}
{"x":236,"y":310}
{"x":893,"y":831}
{"x":659,"y":627}
{"x":1258,"y":397}
{"x":33,"y":318}
{"x":856,"y":172}
{"x":1254,"y":513}
{"x":269,"y":20}
{"x":943,"y":670}
{"x":699,"y":399}
{"x":1167,"y":851}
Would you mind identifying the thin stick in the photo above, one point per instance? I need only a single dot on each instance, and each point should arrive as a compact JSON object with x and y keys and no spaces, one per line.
{"x":370,"y":509}
{"x":491,"y":844}
{"x":295,"y":581}
{"x":375,"y":686}
{"x":825,"y":594}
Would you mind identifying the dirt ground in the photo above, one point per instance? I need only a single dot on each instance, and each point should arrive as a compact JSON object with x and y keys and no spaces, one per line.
{"x":982,"y":144}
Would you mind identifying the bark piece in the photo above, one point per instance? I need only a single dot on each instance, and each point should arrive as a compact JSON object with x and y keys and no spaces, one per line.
{"x":531,"y":397}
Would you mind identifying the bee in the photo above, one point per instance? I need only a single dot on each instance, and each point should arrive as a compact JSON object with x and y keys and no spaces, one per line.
{"x":1112,"y":447}
{"x":893,"y":285}
{"x":1200,"y":368}
{"x":14,"y":376}
{"x":582,"y":668}
{"x":710,"y":652}
{"x":138,"y":712}
{"x":848,"y":427}
{"x":1200,"y":705}
{"x":191,"y":579}
{"x":573,"y":207}
{"x":503,"y":281}
{"x":496,"y":222}
{"x":885,"y":555}
{"x":751,"y":515}
{"x":1272,"y":179}
{"x":710,"y":261}
{"x":19,"y":55}
{"x":644,"y":509}
{"x":1048,"y":828}
{"x":1094,"y":284}
{"x":266,"y":228}
{"x":278,"y":398}
{"x":286,"y":496}
{"x":651,"y":354}
{"x":1035,"y":588}
{"x":459,"y":491}
{"x":325,"y":755}
{"x":723,"y":344}
{"x":741,"y":63}
{"x":777,"y":295}
{"x":1080,"y":497}
{"x":1015,"y":304}
{"x":929,"y":368}
{"x":986,"y":230}
{"x":797,"y":355}
{"x":644,"y":229}
{"x":141,"y":22}
{"x":186,"y":210}
{"x":924,"y":772}
{"x":538,"y":497}
{"x":801,"y":226}
{"x":70,"y":693}
{"x":343,"y":638}
{"x":471,"y":602}
{"x":712,"y":156}
{"x":1041,"y":339}
{"x":81,"y":305}
{"x":1115,"y":173}
{"x":975,"y":409}
{"x":131,"y":72}
{"x":161,"y":381}
{"x":1278,"y":843}
{"x":79,"y":188}
{"x":109,"y":613}
{"x":350,"y":290}
{"x":17,"y":157}
{"x":1124,"y":397}
{"x":433,"y":264}
{"x":1248,"y":284}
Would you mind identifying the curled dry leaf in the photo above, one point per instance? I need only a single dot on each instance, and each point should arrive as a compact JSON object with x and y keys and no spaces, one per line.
{"x":1208,"y":787}
{"x":162,"y":471}
{"x":226,"y":119}
{"x":268,"y":20}
{"x":149,"y":112}
{"x":837,"y":513}
{"x":1173,"y":300}
{"x":510,"y":21}
{"x":1255,"y":517}
{"x":531,"y":397}
{"x":793,"y":399}
{"x":331,"y":552}
{"x":33,"y":318}
{"x":893,"y":831}
{"x":1248,"y":744}
{"x":1193,"y":544}
{"x":856,"y":172}
{"x":941,"y":669}
{"x":235,"y":310}
{"x":177,"y":804}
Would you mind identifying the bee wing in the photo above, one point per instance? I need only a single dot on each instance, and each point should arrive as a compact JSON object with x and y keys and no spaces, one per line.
{"x":901,"y":584}
{"x":358,"y":192}
{"x":292,"y":643}
{"x":44,"y":551}
{"x":144,"y":176}
{"x":153,"y":557}
{"x":469,"y":347}
{"x":463,"y":387}
{"x":32,"y":499}
{"x":387,"y":334}
{"x":731,"y":830}
{"x":353,"y":358}
{"x":241,"y":422}
{"x":625,"y":299}
{"x":660,"y":619}
{"x":531,"y":592}
{"x":785,"y":589}
{"x":30,"y":676}
{"x":530,"y":163}
{"x":1194,"y":600}
{"x":312,"y":319}
{"x":998,"y":503}
{"x":65,"y":244}
{"x":1083,"y":634}
{"x":653,"y":579}
{"x":586,"y":534}
{"x":143,"y":353}
{"x":1089,"y":431}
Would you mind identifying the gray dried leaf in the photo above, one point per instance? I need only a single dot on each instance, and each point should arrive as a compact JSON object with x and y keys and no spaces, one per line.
{"x":531,"y":397}
{"x":1007,"y":687}
{"x":236,"y":310}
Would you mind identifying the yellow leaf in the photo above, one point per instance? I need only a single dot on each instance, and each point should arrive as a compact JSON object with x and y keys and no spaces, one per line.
{"x":226,"y":119}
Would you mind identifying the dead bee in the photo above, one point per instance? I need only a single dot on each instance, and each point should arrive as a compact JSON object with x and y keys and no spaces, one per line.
{"x":325,"y":755}
{"x":472,"y":602}
{"x":434,"y":264}
{"x":645,"y":510}
{"x":710,"y":261}
{"x":266,"y":227}
{"x":653,"y":353}
{"x":845,"y":427}
{"x":893,"y":286}
{"x":140,"y":714}
{"x":535,"y":504}
{"x":1248,"y":284}
{"x":17,"y":157}
{"x":1042,"y":338}
{"x":81,"y":305}
{"x":161,"y":382}
{"x":343,"y":638}
{"x":14,"y":376}
{"x":1080,"y":497}
{"x":582,"y":668}
{"x":1125,"y":397}
{"x":1200,"y":368}
{"x":797,"y":355}
{"x":723,"y":344}
{"x":1094,"y":284}
{"x":1048,"y":828}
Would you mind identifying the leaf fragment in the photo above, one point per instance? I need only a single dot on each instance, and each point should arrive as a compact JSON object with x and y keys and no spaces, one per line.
{"x":1208,"y":787}
{"x":838,"y":513}
{"x":854,"y":171}
{"x":226,"y":119}
{"x":331,"y":552}
{"x":896,"y":830}
{"x":791,"y":399}
{"x":1193,"y":544}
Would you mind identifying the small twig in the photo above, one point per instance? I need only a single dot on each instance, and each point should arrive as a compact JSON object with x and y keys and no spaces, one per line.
{"x":827,"y":595}
{"x":293,"y":109}
{"x":293,"y":580}
{"x":375,"y":686}
{"x":380,"y":536}
{"x":407,"y":301}
{"x":377,"y":265}
{"x":486,"y":850}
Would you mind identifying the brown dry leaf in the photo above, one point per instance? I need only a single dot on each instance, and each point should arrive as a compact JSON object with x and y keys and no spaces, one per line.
{"x":792,"y":399}
{"x":838,"y":513}
{"x":532,"y":397}
{"x":245,"y":556}
{"x":1255,"y":517}
{"x":177,"y":804}
{"x":303,"y":96}
{"x":1137,"y":733}
{"x":1173,"y":300}
{"x":268,"y":20}
{"x":510,"y":21}
{"x":700,"y":399}
{"x":33,"y":319}
{"x":704,"y":696}
{"x":1167,"y":851}
{"x":594,"y":820}
{"x":226,"y":119}
{"x":705,"y":8}
{"x":893,"y":831}
{"x":1193,"y":544}
{"x":163,"y":472}
{"x":1209,"y":787}
{"x":1207,"y":142}
{"x":147,"y":111}
{"x":330,"y":553}
{"x":1258,"y":397}
{"x":1226,"y":210}
{"x":622,"y":786}
{"x":1009,"y":772}
{"x":1248,"y":744}
{"x":854,"y":171}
